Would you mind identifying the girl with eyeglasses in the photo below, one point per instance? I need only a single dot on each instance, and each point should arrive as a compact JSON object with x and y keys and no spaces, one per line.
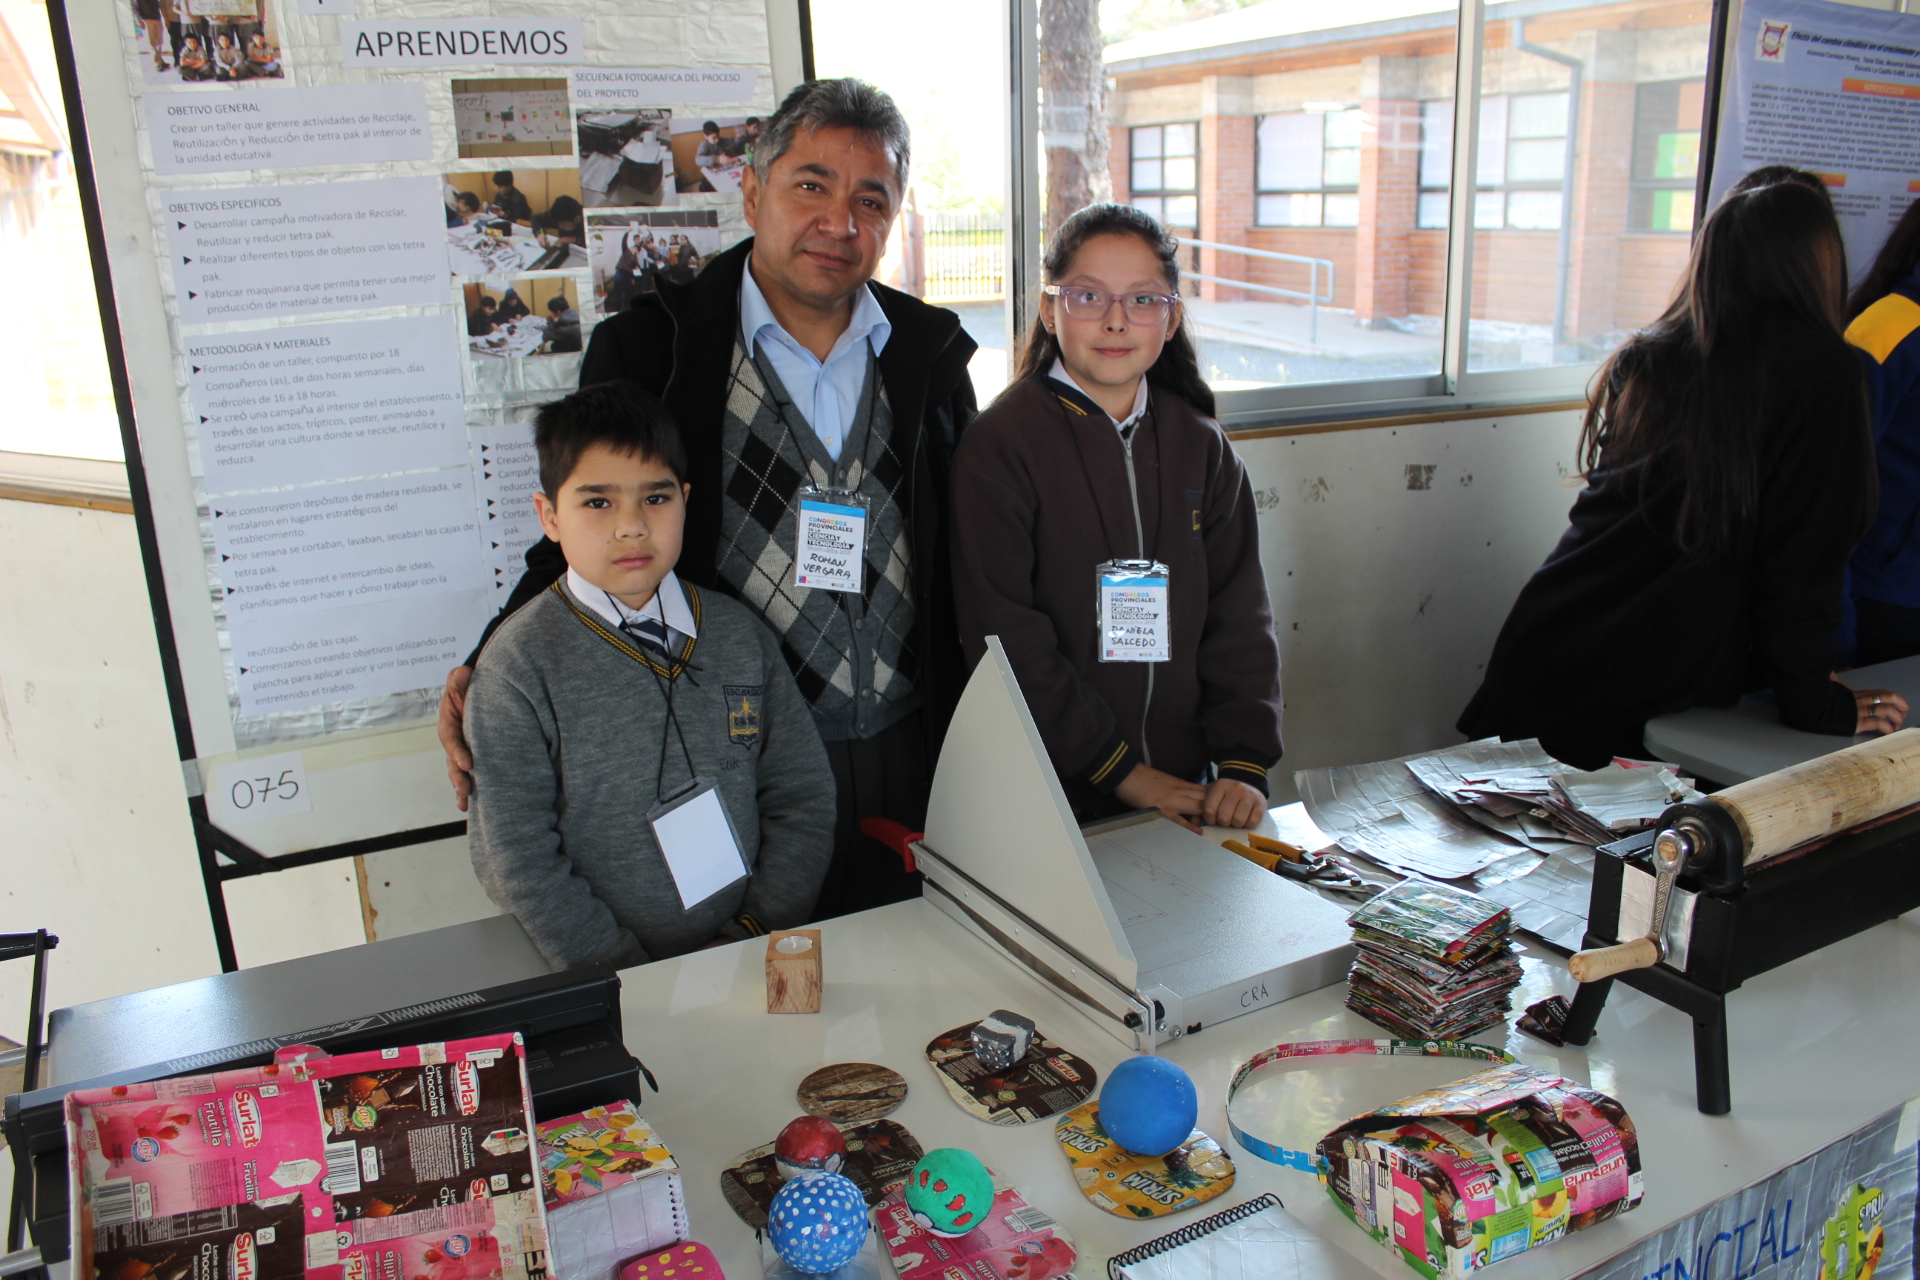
{"x":1104,"y":530}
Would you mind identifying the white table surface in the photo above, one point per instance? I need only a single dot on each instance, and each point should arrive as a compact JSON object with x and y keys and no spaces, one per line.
{"x":1734,"y":744}
{"x":1819,"y":1048}
{"x":727,"y":182}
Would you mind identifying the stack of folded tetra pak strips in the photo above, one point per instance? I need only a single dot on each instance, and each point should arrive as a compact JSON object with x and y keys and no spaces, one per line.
{"x":1433,"y":961}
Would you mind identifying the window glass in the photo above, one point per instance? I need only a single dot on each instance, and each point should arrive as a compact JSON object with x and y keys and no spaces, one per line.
{"x":1666,"y":155}
{"x":1312,"y":136}
{"x":949,"y":244}
{"x":1591,"y":84}
{"x":1290,"y":146}
{"x":1343,"y":134}
{"x":1155,"y":183}
{"x":59,"y":396}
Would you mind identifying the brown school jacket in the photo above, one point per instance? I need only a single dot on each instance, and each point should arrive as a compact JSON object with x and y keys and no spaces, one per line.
{"x":1040,"y":497}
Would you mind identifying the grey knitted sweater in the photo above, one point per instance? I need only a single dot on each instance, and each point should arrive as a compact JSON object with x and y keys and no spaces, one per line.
{"x":567,"y":718}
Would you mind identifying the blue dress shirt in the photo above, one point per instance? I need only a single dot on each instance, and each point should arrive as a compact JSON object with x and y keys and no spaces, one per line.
{"x":827,"y":392}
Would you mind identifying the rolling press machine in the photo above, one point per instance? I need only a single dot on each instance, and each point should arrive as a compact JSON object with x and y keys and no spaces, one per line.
{"x":1729,"y":887}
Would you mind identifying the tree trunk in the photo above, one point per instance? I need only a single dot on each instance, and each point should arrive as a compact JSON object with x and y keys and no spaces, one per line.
{"x":1073,"y":107}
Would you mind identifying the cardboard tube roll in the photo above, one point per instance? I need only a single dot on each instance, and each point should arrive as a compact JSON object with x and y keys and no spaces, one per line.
{"x":1605,"y":962}
{"x":1825,"y":795}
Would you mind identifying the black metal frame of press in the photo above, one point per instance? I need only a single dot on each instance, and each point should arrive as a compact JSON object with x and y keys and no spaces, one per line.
{"x":18,"y":946}
{"x":1782,"y":910}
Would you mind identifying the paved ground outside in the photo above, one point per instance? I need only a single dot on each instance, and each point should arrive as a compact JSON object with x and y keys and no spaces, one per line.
{"x":1261,"y":344}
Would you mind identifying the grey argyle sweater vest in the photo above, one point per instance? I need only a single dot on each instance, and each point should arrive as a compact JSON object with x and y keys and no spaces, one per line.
{"x":851,"y":655}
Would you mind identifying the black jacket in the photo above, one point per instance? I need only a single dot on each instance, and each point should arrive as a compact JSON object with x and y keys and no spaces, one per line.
{"x":678,"y":343}
{"x":1043,"y":481}
{"x":1618,"y":626}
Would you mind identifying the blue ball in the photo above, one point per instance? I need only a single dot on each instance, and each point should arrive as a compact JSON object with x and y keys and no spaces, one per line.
{"x":1148,"y":1105}
{"x":818,"y":1222}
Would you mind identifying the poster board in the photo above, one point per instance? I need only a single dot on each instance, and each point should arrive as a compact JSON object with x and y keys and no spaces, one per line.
{"x":331,"y":459}
{"x":1833,"y":88}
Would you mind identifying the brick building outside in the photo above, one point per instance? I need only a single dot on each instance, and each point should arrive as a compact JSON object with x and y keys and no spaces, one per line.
{"x":1325,"y":131}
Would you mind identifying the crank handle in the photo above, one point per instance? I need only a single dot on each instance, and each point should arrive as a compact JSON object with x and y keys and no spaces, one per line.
{"x":1605,"y":962}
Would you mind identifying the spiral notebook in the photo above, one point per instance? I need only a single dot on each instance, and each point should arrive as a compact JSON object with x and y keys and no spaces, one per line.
{"x":1258,"y":1240}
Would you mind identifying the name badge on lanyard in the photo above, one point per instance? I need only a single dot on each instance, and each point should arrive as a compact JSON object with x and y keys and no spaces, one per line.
{"x":697,"y":839}
{"x":1136,"y":624}
{"x":832,"y":550}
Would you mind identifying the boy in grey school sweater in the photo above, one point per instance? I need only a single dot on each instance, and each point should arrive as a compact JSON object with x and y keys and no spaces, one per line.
{"x":616,"y":687}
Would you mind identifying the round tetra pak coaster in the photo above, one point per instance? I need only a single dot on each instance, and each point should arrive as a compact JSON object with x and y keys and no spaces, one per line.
{"x":880,"y":1155}
{"x":852,"y":1092}
{"x":1129,"y":1185}
{"x":1046,"y":1082}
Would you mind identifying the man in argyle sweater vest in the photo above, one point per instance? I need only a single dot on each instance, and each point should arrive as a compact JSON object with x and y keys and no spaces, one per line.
{"x":785,"y":367}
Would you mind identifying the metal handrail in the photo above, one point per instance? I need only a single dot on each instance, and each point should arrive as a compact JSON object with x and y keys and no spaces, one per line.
{"x":1312,"y":297}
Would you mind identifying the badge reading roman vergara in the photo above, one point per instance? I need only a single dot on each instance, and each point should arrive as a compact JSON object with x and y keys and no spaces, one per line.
{"x":743,"y":713}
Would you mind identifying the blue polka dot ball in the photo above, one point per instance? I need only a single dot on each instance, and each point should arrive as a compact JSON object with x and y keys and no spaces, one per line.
{"x":1148,"y":1105}
{"x":818,"y":1222}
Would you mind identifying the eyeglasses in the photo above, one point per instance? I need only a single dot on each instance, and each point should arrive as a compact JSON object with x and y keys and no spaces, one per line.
{"x":1085,"y":303}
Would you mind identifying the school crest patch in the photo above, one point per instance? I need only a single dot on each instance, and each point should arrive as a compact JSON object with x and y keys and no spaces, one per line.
{"x":743,"y":713}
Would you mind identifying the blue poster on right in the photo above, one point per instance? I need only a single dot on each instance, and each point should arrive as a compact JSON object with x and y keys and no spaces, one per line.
{"x":1835,"y":89}
{"x":1846,"y":1212}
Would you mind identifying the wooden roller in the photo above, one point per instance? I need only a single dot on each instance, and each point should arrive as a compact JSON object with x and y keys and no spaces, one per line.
{"x":1825,"y":795}
{"x":1772,"y":814}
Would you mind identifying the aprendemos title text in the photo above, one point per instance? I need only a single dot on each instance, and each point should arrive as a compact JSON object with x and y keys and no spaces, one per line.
{"x":489,"y":42}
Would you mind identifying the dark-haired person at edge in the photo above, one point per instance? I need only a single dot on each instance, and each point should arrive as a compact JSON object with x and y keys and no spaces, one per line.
{"x":1104,"y":448}
{"x":786,"y":367}
{"x":512,"y":306}
{"x":510,"y":201}
{"x":1729,"y":474}
{"x":561,"y":222}
{"x":1885,"y":330}
{"x":483,"y":320}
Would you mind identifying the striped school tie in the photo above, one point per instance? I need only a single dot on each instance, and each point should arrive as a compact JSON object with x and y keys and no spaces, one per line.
{"x":649,"y":631}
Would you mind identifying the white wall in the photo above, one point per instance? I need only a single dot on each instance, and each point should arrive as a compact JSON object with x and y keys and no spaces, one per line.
{"x":1387,"y":599}
{"x":95,"y":843}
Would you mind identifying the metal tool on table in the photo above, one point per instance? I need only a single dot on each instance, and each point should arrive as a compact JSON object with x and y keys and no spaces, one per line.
{"x":1321,"y":871}
{"x":1748,"y":879}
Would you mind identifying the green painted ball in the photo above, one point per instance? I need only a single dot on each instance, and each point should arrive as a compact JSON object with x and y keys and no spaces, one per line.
{"x":949,"y":1192}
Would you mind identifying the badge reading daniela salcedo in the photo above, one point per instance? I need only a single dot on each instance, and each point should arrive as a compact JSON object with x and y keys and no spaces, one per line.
{"x":1130,"y":1185}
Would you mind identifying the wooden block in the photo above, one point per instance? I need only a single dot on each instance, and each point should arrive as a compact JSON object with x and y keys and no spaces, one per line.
{"x":793,"y":971}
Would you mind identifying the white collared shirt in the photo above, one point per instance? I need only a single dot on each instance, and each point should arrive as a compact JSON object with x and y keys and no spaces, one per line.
{"x":827,"y":392}
{"x":1059,"y":374}
{"x":669,"y":605}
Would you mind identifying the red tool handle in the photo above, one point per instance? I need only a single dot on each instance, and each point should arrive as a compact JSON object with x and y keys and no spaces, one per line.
{"x":895,"y":836}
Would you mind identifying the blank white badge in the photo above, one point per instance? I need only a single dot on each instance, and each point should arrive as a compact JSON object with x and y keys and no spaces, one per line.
{"x":697,"y":839}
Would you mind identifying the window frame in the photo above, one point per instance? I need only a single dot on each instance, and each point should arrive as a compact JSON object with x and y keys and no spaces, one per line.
{"x":1454,"y":387}
{"x":1638,"y":186}
{"x":1164,"y":193}
{"x":1324,"y":190}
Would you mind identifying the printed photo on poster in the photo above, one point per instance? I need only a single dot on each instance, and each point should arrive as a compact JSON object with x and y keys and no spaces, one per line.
{"x":630,"y":253}
{"x":528,"y":316}
{"x":626,"y":159}
{"x":207,"y":41}
{"x":505,"y":221}
{"x":709,"y":154}
{"x":510,"y":117}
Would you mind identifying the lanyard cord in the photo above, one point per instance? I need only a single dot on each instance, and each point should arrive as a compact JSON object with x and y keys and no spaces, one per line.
{"x":666,"y":690}
{"x":1126,"y":459}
